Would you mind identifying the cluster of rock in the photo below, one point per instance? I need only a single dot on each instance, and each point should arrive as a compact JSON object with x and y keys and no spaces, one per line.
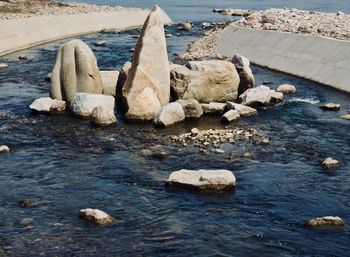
{"x":15,"y":9}
{"x":233,"y":12}
{"x":334,"y":25}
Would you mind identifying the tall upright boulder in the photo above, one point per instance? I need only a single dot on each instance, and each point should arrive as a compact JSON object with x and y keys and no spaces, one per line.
{"x":147,"y":86}
{"x":245,"y":73}
{"x":75,"y":71}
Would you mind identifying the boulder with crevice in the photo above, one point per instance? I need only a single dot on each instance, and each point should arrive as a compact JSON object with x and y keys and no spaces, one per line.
{"x":75,"y":71}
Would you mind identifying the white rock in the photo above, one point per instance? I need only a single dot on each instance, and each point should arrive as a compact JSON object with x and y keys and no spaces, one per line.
{"x":48,"y":105}
{"x":243,"y":110}
{"x":286,"y":89}
{"x":330,"y":107}
{"x":102,"y":116}
{"x":3,"y":65}
{"x":109,"y":79}
{"x":207,"y":180}
{"x":345,"y":117}
{"x":230,"y":116}
{"x":327,"y":221}
{"x":4,"y":149}
{"x":260,"y":96}
{"x":192,"y":108}
{"x":186,"y":26}
{"x":149,"y":71}
{"x":331,"y":163}
{"x":214,"y":108}
{"x":169,"y":115}
{"x":84,"y":103}
{"x":95,"y":216}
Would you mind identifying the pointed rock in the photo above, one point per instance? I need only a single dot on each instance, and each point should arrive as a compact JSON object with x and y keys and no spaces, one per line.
{"x":147,"y":86}
{"x":75,"y":71}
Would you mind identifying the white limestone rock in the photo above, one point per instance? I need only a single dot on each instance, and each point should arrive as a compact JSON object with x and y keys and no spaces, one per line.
{"x":192,"y":108}
{"x":147,"y":86}
{"x":75,"y":71}
{"x":95,"y":216}
{"x":109,"y":79}
{"x":83,"y":104}
{"x":101,"y":116}
{"x":203,"y":180}
{"x":48,"y":105}
{"x":4,"y":149}
{"x":170,"y":114}
{"x":330,"y":107}
{"x":327,"y":221}
{"x":260,"y":96}
{"x":230,"y":116}
{"x":243,"y":110}
{"x":330,"y":163}
{"x":286,"y":89}
{"x":214,"y":108}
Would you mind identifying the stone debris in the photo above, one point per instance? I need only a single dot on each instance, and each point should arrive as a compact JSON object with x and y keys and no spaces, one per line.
{"x":3,"y":65}
{"x":214,"y":137}
{"x":95,"y":216}
{"x":345,"y":117}
{"x":327,"y":221}
{"x":233,"y":12}
{"x":4,"y":149}
{"x":48,"y":105}
{"x":286,"y":89}
{"x":203,"y":180}
{"x":330,"y":163}
{"x":214,"y":108}
{"x":333,"y":25}
{"x":230,"y":116}
{"x":330,"y":107}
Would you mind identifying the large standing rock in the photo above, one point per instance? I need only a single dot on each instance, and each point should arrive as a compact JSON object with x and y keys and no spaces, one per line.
{"x":169,"y":115}
{"x":147,"y":86}
{"x":109,"y":79}
{"x":204,"y":180}
{"x":260,"y":96}
{"x":205,"y":81}
{"x":192,"y":108}
{"x":48,"y":105}
{"x":245,"y":73}
{"x":75,"y":71}
{"x":83,"y":104}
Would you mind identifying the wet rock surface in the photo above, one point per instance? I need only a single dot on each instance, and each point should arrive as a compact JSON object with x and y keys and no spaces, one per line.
{"x":95,"y":216}
{"x":260,"y":96}
{"x":325,"y":222}
{"x":4,"y":149}
{"x":331,"y":164}
{"x":330,"y":107}
{"x":48,"y":105}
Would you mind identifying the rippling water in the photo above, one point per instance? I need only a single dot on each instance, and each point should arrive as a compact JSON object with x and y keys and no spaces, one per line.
{"x":65,"y":164}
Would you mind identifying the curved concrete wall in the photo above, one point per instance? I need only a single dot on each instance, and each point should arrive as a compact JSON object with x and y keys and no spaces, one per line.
{"x":27,"y":32}
{"x":320,"y":59}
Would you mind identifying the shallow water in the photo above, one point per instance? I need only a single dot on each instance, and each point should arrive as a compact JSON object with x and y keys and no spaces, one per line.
{"x":65,"y":164}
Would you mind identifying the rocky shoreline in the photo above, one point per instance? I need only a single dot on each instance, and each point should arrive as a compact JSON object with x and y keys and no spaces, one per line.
{"x":16,"y":9}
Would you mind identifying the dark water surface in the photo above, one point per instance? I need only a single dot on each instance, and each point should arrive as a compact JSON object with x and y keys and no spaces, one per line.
{"x":65,"y":165}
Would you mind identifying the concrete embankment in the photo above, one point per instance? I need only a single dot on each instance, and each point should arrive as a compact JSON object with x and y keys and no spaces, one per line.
{"x":316,"y":58}
{"x":22,"y":33}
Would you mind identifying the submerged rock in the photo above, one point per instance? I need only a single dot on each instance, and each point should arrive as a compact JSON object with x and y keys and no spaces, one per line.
{"x":83,"y":104}
{"x":26,"y":202}
{"x":230,"y":116}
{"x":214,"y":108}
{"x":95,"y":216}
{"x":4,"y":149}
{"x":192,"y":108}
{"x":286,"y":89}
{"x":260,"y":96}
{"x":330,"y":163}
{"x":23,"y":57}
{"x":205,"y":81}
{"x":3,"y":65}
{"x":26,"y":221}
{"x":75,"y":71}
{"x":147,"y":86}
{"x":101,"y":43}
{"x":243,"y":110}
{"x":245,"y":73}
{"x":186,"y":26}
{"x":203,"y":180}
{"x":48,"y":105}
{"x":327,"y":221}
{"x":345,"y":117}
{"x":330,"y":107}
{"x":233,"y":12}
{"x":170,"y":114}
{"x":109,"y":79}
{"x":102,"y":116}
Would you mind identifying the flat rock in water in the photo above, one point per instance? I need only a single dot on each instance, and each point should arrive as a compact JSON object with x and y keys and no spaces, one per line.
{"x":4,"y":149}
{"x":242,"y":109}
{"x":330,"y":107}
{"x":109,"y":79}
{"x":286,"y":89}
{"x":84,"y":103}
{"x":3,"y":65}
{"x":260,"y":96}
{"x":48,"y":105}
{"x":192,"y":108}
{"x":170,"y":114}
{"x":203,"y":180}
{"x":95,"y":216}
{"x":327,"y":221}
{"x":345,"y":117}
{"x":214,"y":108}
{"x":230,"y":116}
{"x":330,"y":163}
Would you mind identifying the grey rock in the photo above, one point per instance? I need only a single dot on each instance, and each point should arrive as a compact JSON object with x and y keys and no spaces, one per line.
{"x":192,"y":108}
{"x":169,"y":114}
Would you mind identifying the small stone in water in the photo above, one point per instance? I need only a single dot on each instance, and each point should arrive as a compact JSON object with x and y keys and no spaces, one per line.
{"x":265,"y":141}
{"x":4,"y":149}
{"x":267,"y":83}
{"x":345,"y":117}
{"x":25,"y":202}
{"x":23,"y":57}
{"x":247,"y":155}
{"x":327,"y":221}
{"x":100,"y":43}
{"x":330,"y":107}
{"x":95,"y":216}
{"x":26,"y":221}
{"x":3,"y":65}
{"x":331,"y":163}
{"x":194,"y":132}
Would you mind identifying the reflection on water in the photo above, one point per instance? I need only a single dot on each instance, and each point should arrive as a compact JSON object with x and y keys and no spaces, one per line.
{"x":65,"y":165}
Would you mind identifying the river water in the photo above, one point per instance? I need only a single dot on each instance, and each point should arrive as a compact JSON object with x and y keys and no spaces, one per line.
{"x":64,"y":165}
